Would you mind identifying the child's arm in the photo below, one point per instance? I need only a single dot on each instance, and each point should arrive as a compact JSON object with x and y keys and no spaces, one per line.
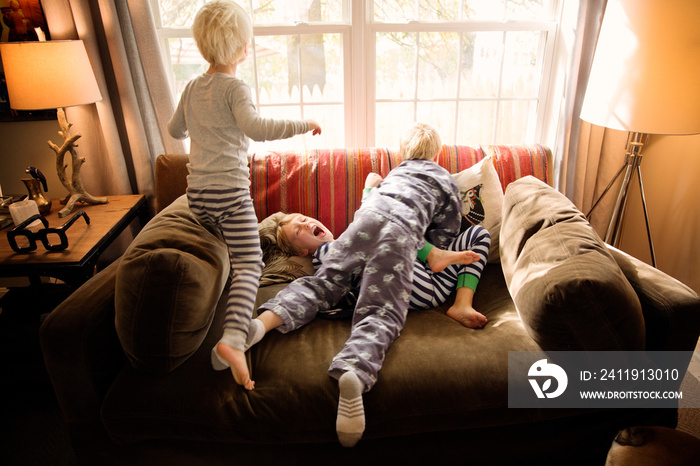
{"x":372,"y":181}
{"x":177,"y":127}
{"x":258,"y":128}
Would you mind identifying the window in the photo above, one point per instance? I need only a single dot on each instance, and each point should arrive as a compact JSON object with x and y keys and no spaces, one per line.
{"x":475,"y":69}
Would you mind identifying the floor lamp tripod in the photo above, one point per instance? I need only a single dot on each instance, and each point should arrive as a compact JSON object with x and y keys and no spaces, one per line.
{"x":632,"y":166}
{"x":643,"y":80}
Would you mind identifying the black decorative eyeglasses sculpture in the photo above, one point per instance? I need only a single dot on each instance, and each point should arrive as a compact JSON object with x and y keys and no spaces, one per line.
{"x":47,"y":236}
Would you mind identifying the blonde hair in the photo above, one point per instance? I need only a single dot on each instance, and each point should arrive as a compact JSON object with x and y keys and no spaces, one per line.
{"x":222,"y":29}
{"x":273,"y":238}
{"x":420,"y":142}
{"x":283,"y":242}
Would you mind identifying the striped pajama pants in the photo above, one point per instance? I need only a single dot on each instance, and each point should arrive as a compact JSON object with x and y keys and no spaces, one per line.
{"x":432,"y":289}
{"x":231,"y":210}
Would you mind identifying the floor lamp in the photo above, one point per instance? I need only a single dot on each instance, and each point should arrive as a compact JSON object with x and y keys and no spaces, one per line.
{"x":644,"y":80}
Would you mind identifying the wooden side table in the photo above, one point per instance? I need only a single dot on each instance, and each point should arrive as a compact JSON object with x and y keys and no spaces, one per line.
{"x":76,"y":264}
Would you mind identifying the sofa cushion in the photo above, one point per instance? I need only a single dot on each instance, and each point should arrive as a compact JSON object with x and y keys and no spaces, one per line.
{"x":568,"y":290}
{"x":482,"y":199}
{"x":188,"y":264}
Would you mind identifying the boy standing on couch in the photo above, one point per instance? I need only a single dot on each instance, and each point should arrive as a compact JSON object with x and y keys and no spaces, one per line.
{"x":417,"y":201}
{"x":216,"y":111}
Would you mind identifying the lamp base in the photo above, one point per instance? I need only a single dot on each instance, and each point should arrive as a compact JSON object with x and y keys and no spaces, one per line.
{"x":632,"y":166}
{"x":74,"y":185}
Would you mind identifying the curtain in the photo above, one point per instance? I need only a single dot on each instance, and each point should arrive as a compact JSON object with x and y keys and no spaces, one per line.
{"x":591,"y":155}
{"x":124,"y":133}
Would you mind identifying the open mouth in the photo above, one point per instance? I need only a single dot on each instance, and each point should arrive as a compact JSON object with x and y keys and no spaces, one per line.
{"x":318,"y":231}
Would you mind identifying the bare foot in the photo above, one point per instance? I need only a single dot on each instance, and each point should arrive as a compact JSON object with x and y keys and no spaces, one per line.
{"x":238,"y":364}
{"x":467,"y":316}
{"x":439,"y":259}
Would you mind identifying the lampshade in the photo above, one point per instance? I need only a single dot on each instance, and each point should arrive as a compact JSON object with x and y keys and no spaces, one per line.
{"x":645,"y":76}
{"x":50,"y":74}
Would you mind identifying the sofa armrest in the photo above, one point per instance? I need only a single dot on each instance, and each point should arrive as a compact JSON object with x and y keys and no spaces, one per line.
{"x":671,"y":309}
{"x":81,"y":350}
{"x":170,"y":178}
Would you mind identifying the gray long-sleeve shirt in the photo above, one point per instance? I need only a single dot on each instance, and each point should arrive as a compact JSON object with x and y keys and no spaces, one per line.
{"x":217,"y":112}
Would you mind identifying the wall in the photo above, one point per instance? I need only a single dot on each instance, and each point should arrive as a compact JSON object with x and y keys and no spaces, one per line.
{"x":25,"y":144}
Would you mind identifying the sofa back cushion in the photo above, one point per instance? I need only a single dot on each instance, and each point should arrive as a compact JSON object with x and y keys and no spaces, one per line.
{"x":327,"y":184}
{"x":168,"y":283}
{"x":170,"y":178}
{"x":568,"y":289}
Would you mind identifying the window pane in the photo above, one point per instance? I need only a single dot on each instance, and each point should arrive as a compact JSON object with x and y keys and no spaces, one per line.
{"x":437,"y":65}
{"x":393,"y":119}
{"x":178,"y":13}
{"x":449,"y":10}
{"x":516,"y":122}
{"x":279,"y":66}
{"x":293,"y":11}
{"x":439,"y":115}
{"x":481,"y":64}
{"x":475,"y":122}
{"x":394,"y":10}
{"x":413,"y":10}
{"x":273,"y":71}
{"x":522,"y":67}
{"x":186,"y":62}
{"x":395,"y":65}
{"x":529,"y":9}
{"x":332,"y":121}
{"x":322,"y":67}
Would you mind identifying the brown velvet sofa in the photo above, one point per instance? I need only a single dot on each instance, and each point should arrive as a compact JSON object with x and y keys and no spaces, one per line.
{"x":129,"y":352}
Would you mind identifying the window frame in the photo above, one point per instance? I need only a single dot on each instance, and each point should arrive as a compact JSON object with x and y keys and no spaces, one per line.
{"x":359,"y":31}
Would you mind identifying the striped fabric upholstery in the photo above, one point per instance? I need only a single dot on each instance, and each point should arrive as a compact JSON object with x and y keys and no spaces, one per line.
{"x":327,"y":184}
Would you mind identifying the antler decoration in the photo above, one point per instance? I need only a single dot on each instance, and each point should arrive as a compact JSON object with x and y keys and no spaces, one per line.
{"x":74,"y":185}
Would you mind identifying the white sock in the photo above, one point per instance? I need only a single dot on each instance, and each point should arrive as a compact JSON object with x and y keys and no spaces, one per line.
{"x":217,"y":362}
{"x":350,"y":423}
{"x":255,"y":333}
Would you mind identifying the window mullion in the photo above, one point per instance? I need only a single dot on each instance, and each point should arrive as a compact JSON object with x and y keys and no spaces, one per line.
{"x":459,"y":85}
{"x":300,"y":82}
{"x":416,"y":76}
{"x":500,"y":91}
{"x":361,"y":72}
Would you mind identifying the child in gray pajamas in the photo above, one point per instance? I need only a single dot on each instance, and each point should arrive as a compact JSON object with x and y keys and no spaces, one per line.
{"x":417,"y":201}
{"x":217,"y":113}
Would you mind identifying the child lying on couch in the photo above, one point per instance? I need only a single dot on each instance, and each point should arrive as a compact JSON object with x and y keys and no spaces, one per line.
{"x":436,"y":274}
{"x":417,"y":200}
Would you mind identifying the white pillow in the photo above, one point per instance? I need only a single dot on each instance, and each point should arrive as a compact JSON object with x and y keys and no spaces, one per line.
{"x":482,"y":199}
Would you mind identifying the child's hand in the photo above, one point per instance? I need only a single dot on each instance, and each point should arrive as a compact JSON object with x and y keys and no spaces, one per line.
{"x":373,"y":180}
{"x":314,"y":127}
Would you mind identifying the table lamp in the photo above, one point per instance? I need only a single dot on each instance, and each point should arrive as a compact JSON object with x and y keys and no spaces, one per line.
{"x":644,"y":80}
{"x":54,"y":74}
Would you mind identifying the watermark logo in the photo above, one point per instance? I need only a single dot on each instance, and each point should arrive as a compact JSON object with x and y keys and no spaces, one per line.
{"x":548,"y":371}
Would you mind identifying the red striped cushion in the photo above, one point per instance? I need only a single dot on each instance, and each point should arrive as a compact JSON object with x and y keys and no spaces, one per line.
{"x":327,"y":184}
